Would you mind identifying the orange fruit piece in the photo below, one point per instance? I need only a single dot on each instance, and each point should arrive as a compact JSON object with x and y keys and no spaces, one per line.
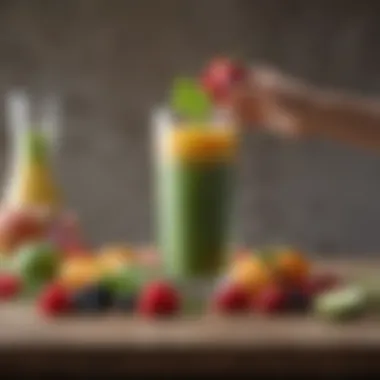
{"x":113,"y":257}
{"x":252,"y":273}
{"x":76,"y":272}
{"x":291,"y":265}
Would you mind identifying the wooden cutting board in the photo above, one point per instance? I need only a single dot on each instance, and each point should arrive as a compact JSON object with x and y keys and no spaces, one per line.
{"x":129,"y":344}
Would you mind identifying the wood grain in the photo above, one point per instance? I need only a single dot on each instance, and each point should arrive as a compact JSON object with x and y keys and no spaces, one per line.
{"x":206,"y":343}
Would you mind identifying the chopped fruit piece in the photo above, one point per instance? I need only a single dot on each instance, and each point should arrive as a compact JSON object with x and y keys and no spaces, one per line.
{"x":112,"y":258}
{"x":192,"y":143}
{"x":77,"y":272}
{"x":341,"y":304}
{"x":37,"y":262}
{"x":252,"y":273}
{"x":54,"y":300}
{"x":291,"y":266}
{"x":10,"y":286}
{"x":219,"y":76}
{"x":159,"y":299}
{"x":231,"y":298}
{"x":272,"y":299}
{"x":92,"y":298}
{"x":125,"y":282}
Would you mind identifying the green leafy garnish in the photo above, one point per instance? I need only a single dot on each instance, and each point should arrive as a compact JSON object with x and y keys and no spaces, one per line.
{"x":189,"y":100}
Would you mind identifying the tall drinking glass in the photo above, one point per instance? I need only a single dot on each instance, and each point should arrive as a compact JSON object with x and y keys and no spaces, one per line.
{"x":195,"y":168}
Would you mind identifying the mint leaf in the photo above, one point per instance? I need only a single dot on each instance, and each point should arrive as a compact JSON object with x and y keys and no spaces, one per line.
{"x":189,"y":100}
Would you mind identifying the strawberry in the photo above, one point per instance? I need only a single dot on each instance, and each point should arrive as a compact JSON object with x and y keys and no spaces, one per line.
{"x":272,"y":299}
{"x":231,"y":298}
{"x":219,"y":76}
{"x":10,"y":286}
{"x":158,"y":298}
{"x":54,"y":300}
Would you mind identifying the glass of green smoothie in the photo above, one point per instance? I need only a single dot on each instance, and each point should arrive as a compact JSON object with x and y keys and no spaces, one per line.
{"x":194,"y":156}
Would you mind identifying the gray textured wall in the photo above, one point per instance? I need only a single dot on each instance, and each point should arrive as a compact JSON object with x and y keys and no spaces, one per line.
{"x":112,"y":60}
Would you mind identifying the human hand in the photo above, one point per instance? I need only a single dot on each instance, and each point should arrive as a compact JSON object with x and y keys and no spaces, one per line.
{"x":269,"y":100}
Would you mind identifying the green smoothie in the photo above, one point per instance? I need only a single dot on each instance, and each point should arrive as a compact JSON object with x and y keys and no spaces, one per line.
{"x":195,"y":169}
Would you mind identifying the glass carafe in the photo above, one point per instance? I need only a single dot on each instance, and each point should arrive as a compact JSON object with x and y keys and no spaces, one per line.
{"x":32,"y":140}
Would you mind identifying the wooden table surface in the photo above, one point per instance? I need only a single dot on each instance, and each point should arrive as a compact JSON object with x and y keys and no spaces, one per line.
{"x":119,"y":344}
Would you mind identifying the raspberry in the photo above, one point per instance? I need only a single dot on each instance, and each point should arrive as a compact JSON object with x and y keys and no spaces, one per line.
{"x":219,"y":76}
{"x":158,"y":299}
{"x":10,"y":286}
{"x":54,"y":300}
{"x":272,"y":299}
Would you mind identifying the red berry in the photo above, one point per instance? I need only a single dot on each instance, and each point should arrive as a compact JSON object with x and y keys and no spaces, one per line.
{"x":272,"y":299}
{"x":231,"y":298}
{"x":10,"y":286}
{"x":159,"y":299}
{"x":54,"y":300}
{"x":219,"y":76}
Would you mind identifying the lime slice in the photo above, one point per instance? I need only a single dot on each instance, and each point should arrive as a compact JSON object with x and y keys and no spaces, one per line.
{"x":189,"y":100}
{"x":341,"y":304}
{"x":127,"y":280}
